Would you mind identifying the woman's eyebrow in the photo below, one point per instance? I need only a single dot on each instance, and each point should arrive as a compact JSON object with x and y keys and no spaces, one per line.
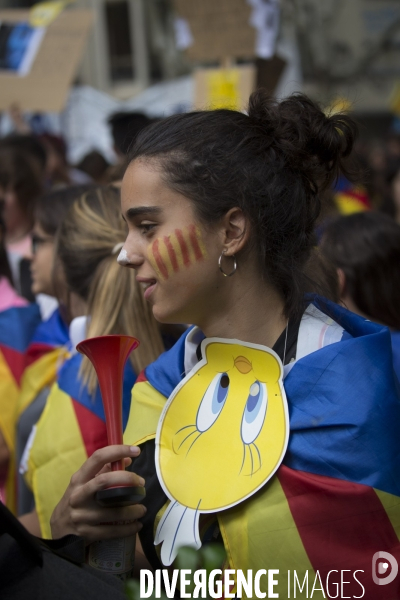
{"x":140,"y":210}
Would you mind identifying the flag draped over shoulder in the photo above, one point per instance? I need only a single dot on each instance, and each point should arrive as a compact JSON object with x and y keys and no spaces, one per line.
{"x":43,"y":355}
{"x":71,"y":428}
{"x":335,"y":500}
{"x":17,"y":326}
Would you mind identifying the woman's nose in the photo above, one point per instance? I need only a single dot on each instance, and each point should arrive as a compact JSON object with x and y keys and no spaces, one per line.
{"x":127,"y":258}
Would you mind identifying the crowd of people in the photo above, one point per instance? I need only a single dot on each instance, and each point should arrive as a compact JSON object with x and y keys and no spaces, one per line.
{"x":260,"y":228}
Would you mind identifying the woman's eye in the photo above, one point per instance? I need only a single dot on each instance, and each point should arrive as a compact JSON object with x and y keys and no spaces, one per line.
{"x":213,"y":402}
{"x":254,"y":412}
{"x":146,"y":227}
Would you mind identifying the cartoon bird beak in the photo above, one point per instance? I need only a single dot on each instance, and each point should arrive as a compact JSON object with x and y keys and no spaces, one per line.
{"x":243,"y":364}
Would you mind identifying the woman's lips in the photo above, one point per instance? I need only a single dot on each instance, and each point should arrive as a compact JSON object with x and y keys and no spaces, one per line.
{"x":148,"y":286}
{"x":149,"y":290}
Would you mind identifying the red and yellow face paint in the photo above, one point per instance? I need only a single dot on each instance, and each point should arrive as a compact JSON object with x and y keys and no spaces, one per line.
{"x":172,"y":253}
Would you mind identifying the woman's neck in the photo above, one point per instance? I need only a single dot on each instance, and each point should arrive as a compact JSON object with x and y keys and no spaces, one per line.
{"x":250,"y":311}
{"x":77,"y":306}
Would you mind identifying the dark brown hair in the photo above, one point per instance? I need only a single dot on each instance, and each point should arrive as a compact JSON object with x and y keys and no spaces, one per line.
{"x":366,"y":246}
{"x":29,"y":144}
{"x":20,"y":172}
{"x":5,"y":270}
{"x":125,"y":126}
{"x":52,"y":207}
{"x":272,"y":163}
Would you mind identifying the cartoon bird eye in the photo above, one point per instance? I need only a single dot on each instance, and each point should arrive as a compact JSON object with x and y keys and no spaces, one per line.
{"x":213,"y":402}
{"x":254,"y":412}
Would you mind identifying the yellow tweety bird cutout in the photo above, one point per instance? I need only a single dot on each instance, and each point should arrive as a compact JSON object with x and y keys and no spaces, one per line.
{"x":222,"y":435}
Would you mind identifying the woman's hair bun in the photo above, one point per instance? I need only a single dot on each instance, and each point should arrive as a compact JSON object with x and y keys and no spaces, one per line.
{"x":311,"y":142}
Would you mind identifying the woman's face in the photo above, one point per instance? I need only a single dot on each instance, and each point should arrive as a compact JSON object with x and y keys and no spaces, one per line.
{"x":42,"y":261}
{"x":12,"y":213}
{"x":174,"y":255}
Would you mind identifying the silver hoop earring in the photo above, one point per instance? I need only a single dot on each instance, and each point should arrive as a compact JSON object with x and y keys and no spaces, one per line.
{"x":220,"y":265}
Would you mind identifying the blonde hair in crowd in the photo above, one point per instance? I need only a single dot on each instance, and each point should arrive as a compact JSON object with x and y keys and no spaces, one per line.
{"x":87,"y":237}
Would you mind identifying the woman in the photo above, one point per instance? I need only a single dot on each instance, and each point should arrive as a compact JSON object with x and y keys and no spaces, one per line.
{"x":20,"y":187}
{"x":48,"y":347}
{"x":365,"y":249}
{"x":89,"y":238}
{"x":391,"y":200}
{"x":9,"y":298}
{"x":17,"y":324}
{"x":221,"y":208}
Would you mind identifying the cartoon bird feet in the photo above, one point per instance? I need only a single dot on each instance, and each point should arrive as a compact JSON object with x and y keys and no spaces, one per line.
{"x":179,"y":526}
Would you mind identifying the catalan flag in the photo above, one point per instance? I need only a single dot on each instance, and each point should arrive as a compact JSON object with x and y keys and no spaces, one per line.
{"x":71,"y":428}
{"x":335,"y":500}
{"x":43,"y":354}
{"x":17,"y":326}
{"x":172,"y":253}
{"x":350,"y":198}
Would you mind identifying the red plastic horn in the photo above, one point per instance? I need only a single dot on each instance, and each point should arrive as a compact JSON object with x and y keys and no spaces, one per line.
{"x":108,"y":354}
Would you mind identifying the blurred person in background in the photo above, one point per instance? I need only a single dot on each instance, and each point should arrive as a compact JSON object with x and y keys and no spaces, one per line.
{"x":95,"y":166}
{"x":18,"y":321}
{"x":58,"y":170}
{"x":375,"y":163}
{"x":72,"y":425}
{"x":9,"y":298}
{"x":393,"y":147}
{"x":48,"y":347}
{"x":48,"y":148}
{"x":20,"y":187}
{"x":31,"y":145}
{"x":125,"y":127}
{"x":365,"y":249}
{"x":391,"y":201}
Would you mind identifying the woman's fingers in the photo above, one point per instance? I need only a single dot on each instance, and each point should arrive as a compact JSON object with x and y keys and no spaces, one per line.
{"x":97,"y":523}
{"x":72,"y":514}
{"x":111,"y":516}
{"x":107,"y":532}
{"x":99,"y":459}
{"x":115,"y":479}
{"x":82,"y":494}
{"x":107,"y":467}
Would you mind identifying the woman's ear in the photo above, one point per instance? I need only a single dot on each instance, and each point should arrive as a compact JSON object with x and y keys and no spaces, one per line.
{"x":236,"y":230}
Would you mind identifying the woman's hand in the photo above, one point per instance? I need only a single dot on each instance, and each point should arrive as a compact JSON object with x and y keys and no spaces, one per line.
{"x":78,"y":512}
{"x":31,"y":522}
